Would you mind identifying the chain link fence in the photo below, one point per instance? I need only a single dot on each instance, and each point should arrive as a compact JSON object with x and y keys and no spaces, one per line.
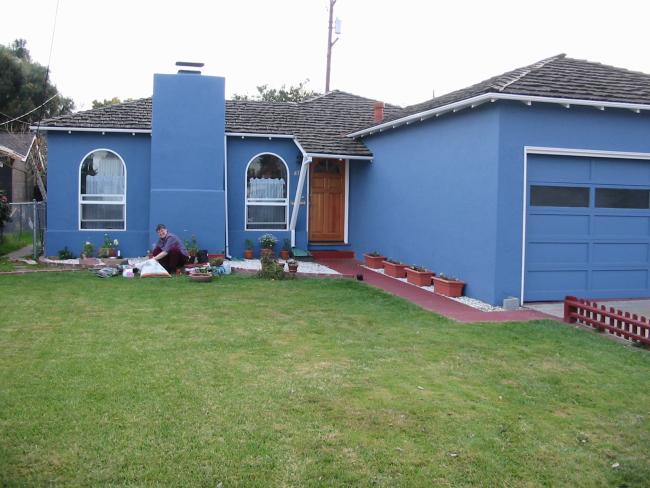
{"x":28,"y":218}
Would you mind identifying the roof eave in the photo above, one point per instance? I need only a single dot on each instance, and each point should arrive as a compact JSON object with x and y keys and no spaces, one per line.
{"x":91,"y":129}
{"x":492,"y":97}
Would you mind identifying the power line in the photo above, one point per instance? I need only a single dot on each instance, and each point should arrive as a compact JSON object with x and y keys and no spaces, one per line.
{"x":32,"y":110}
{"x":47,"y":71}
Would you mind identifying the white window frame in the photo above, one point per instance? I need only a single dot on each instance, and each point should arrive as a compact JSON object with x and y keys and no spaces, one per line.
{"x":119,"y":199}
{"x":264,"y":202}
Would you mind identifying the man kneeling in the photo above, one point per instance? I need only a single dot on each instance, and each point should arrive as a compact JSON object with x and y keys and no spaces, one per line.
{"x":169,"y":251}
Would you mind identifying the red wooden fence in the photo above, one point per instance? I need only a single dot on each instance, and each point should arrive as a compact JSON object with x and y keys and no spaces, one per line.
{"x":622,"y":324}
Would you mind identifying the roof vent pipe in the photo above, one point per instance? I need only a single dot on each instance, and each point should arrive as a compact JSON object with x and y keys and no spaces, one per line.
{"x":188,"y":64}
{"x":378,"y":111}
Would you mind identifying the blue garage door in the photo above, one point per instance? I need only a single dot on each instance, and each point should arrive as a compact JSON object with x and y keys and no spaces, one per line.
{"x":587,"y":228}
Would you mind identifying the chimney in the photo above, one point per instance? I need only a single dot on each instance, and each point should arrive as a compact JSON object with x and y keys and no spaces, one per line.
{"x":378,"y":111}
{"x":184,"y":65}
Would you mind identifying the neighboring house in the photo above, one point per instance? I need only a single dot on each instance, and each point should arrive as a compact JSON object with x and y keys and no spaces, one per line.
{"x":533,"y":184}
{"x":16,"y":179}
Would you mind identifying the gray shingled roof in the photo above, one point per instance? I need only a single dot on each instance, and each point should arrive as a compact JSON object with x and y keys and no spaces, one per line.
{"x":14,"y":145}
{"x":320,"y":124}
{"x":554,"y":77}
{"x":134,"y":114}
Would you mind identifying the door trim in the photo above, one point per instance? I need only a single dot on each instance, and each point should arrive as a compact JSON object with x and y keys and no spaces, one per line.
{"x":561,"y":151}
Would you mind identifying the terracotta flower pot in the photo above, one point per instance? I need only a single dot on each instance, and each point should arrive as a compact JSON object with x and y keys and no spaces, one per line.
{"x":419,"y":278}
{"x":112,"y":252}
{"x":374,"y":262}
{"x":396,"y":270}
{"x":200,"y":278}
{"x":284,"y":254}
{"x":266,"y":251}
{"x":448,"y":288}
{"x":248,"y":254}
{"x":293,"y":268}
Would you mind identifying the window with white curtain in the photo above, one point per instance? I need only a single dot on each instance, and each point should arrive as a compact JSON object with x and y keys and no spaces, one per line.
{"x":267,"y":199}
{"x":102,"y":199}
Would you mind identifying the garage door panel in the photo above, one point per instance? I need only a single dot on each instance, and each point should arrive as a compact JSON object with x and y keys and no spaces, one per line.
{"x":620,"y":253}
{"x":557,"y":281}
{"x":554,"y":168}
{"x":558,"y":252}
{"x":620,"y":171}
{"x":598,"y":250}
{"x":619,"y":225}
{"x":619,"y":280}
{"x":558,"y":225}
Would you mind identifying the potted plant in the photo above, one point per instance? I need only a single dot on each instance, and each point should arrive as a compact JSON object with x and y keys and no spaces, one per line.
{"x":248,"y":249}
{"x":192,"y":247}
{"x":449,"y":287}
{"x":286,"y":246}
{"x":394,"y":268}
{"x":267,"y":243}
{"x":109,"y":247}
{"x":374,"y":260}
{"x":201,"y":274}
{"x":292,"y":265}
{"x":418,"y":275}
{"x":88,"y":250}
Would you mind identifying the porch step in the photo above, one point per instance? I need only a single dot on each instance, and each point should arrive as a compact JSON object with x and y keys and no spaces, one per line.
{"x":301,"y":254}
{"x":332,"y":254}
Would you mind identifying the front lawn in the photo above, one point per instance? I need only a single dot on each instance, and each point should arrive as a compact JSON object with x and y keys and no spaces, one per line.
{"x":303,"y":383}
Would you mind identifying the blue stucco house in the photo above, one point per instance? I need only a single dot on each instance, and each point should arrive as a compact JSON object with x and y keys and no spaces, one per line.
{"x":533,"y":184}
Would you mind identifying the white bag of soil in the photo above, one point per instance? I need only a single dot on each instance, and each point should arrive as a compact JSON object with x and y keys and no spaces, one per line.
{"x":153,"y":269}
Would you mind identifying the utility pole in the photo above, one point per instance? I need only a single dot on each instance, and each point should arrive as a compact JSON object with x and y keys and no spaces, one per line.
{"x":330,"y":44}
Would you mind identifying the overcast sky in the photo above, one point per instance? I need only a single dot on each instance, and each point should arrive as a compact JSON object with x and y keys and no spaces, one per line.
{"x":398,"y":51}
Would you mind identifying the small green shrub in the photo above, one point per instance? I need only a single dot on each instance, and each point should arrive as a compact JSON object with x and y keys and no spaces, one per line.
{"x":271,"y":269}
{"x":216,"y":261}
{"x":66,"y":253}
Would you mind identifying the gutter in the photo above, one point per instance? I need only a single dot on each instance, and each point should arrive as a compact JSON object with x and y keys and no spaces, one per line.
{"x":492,"y":97}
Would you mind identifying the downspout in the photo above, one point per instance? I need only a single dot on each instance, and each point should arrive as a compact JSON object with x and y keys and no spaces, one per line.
{"x":296,"y":202}
{"x":225,"y":192}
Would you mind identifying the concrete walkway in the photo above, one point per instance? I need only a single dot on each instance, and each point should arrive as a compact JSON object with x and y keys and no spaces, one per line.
{"x":633,"y":305}
{"x":20,"y":253}
{"x":427,"y":300}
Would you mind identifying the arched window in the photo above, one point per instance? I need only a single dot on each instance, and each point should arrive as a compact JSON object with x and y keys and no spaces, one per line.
{"x":267,"y":198}
{"x":102,"y":198}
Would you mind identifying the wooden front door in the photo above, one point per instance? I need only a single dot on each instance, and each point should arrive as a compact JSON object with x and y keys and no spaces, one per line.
{"x":327,"y":200}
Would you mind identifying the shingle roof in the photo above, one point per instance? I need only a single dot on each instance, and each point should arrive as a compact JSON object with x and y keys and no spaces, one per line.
{"x":320,"y":124}
{"x":16,"y":144}
{"x":134,"y":114}
{"x":554,"y":77}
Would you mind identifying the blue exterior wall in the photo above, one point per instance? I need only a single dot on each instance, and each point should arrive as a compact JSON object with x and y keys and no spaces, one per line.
{"x":65,"y":154}
{"x":240,"y":153}
{"x":548,"y":125}
{"x":448,"y":193}
{"x":187,"y":158}
{"x":430,"y":197}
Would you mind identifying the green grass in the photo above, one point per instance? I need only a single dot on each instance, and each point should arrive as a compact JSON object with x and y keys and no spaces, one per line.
{"x":303,"y":383}
{"x":13,"y":242}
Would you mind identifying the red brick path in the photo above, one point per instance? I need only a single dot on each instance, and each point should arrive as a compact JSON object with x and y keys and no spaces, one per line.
{"x":427,"y":300}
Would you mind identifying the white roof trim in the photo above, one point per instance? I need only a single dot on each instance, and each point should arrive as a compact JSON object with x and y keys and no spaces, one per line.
{"x":14,"y":155}
{"x":11,"y":153}
{"x":339,"y":156}
{"x":269,"y":136}
{"x":90,"y":129}
{"x":479,"y":99}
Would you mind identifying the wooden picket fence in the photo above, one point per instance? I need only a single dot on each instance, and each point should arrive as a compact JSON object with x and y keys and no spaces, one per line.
{"x":622,"y":324}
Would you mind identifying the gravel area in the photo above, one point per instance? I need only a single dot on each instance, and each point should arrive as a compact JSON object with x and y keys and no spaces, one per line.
{"x":304,"y":267}
{"x":470,"y":302}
